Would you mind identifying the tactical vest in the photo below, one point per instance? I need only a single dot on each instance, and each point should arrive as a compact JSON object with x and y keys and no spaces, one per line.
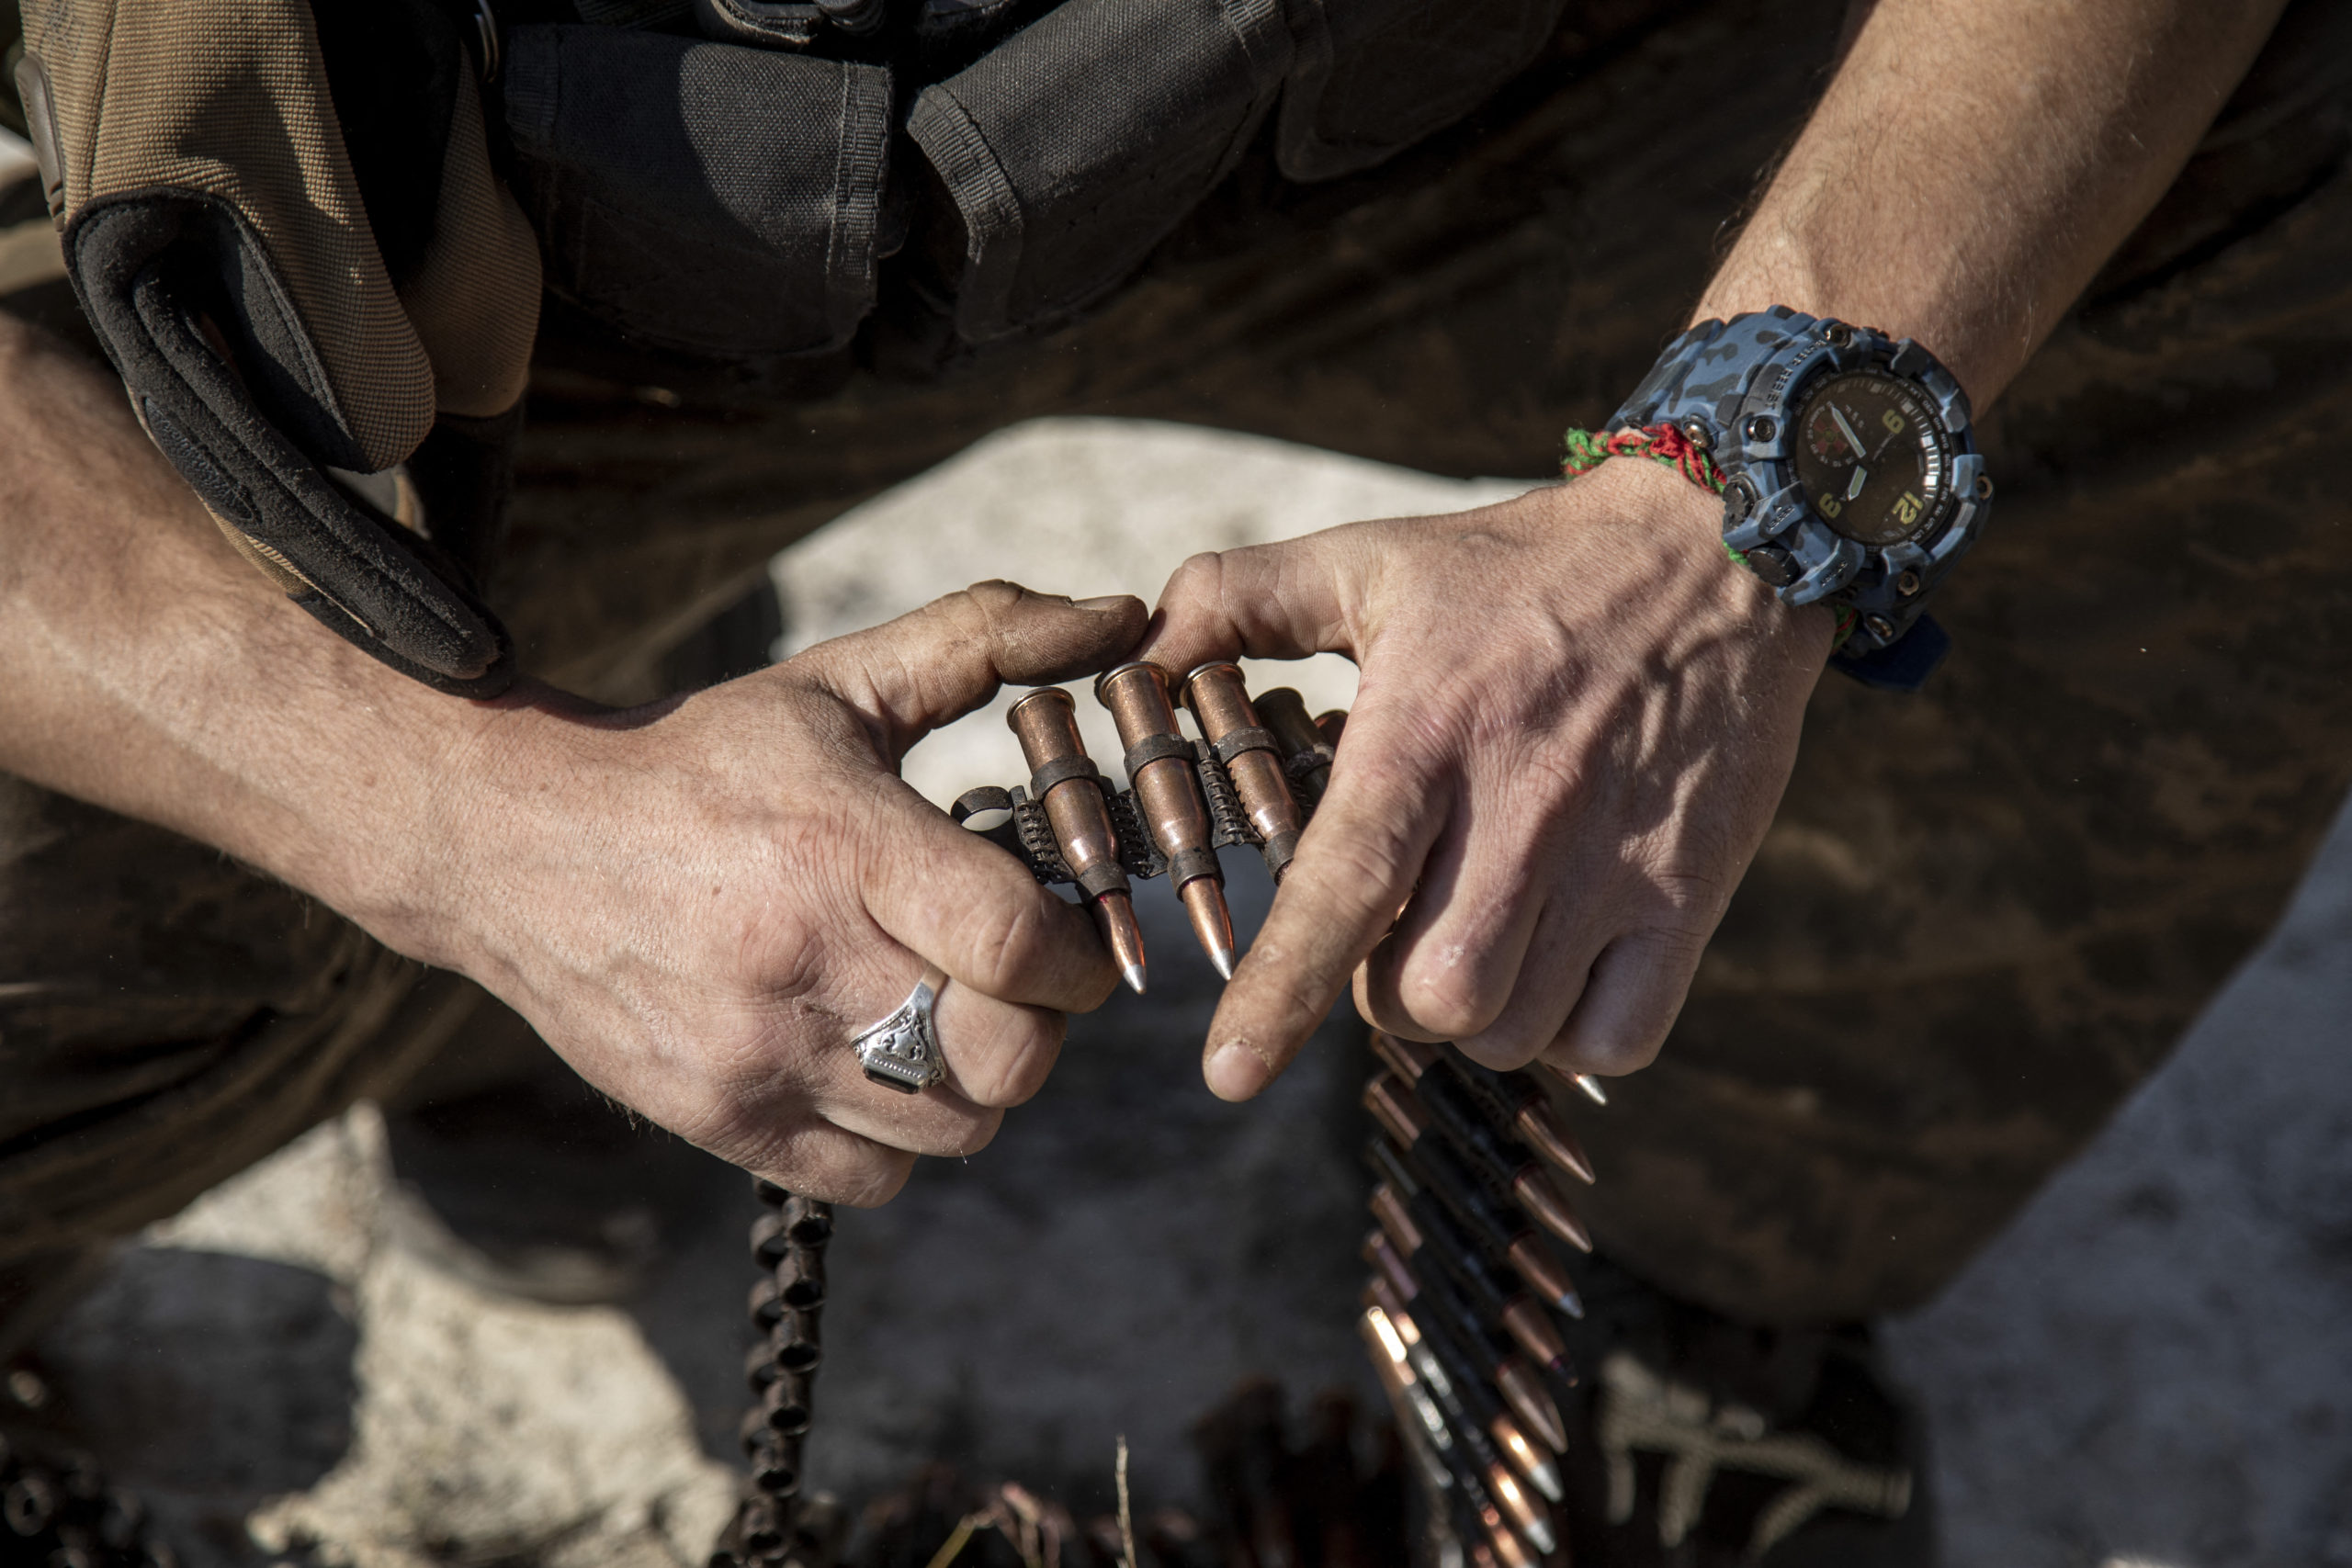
{"x":313,"y":237}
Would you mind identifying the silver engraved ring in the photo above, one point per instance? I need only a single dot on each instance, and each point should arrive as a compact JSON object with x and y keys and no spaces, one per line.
{"x":901,"y":1051}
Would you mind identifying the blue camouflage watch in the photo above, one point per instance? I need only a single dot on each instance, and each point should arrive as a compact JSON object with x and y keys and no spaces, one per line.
{"x":1851,"y":476}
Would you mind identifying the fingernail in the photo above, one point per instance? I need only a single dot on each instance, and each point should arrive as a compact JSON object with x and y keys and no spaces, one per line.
{"x":1235,"y":1072}
{"x":1105,"y":602}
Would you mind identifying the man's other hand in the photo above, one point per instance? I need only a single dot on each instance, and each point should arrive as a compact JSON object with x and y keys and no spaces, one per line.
{"x":698,"y":903}
{"x":1574,"y":721}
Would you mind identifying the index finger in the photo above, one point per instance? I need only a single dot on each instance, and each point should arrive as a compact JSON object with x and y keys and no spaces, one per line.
{"x":1284,"y":600}
{"x":1356,"y":867}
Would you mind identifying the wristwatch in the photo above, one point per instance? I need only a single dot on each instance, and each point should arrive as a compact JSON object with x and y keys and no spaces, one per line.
{"x":1851,"y":477}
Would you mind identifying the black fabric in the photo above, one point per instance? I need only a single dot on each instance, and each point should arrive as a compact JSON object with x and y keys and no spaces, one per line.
{"x":1374,"y":77}
{"x":698,"y":197}
{"x":728,"y":202}
{"x":774,"y":24}
{"x":394,"y":70}
{"x":947,"y":38}
{"x":1072,"y":148}
{"x":464,"y":474}
{"x":151,"y":269}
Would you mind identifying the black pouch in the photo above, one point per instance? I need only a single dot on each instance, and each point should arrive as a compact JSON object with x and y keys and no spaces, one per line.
{"x":1073,"y":148}
{"x":1374,"y":77}
{"x":702,"y":197}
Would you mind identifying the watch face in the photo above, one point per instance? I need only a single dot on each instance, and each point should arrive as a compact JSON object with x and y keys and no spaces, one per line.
{"x":1873,"y":456}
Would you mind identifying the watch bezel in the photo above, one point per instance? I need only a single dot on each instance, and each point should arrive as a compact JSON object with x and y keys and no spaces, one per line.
{"x":1771,"y":519}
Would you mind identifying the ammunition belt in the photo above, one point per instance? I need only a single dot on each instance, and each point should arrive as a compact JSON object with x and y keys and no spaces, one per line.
{"x":63,"y":1514}
{"x":775,"y":1526}
{"x":1026,"y":834}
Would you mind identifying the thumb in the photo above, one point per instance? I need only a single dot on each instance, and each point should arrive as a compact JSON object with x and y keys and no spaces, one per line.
{"x":938,"y":663}
{"x":1279,"y":601}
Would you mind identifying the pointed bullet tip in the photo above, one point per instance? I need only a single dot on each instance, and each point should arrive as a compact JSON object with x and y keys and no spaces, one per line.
{"x":1212,"y":921}
{"x":1554,"y":1142}
{"x":1571,"y":1304}
{"x":1592,"y":1087}
{"x":1133,"y":976}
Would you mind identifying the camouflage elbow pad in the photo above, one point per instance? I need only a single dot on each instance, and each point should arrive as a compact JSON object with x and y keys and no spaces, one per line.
{"x":319,"y":294}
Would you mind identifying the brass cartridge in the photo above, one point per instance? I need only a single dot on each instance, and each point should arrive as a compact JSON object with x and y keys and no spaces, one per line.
{"x":1159,"y":767}
{"x":1065,"y":781}
{"x":1220,"y":705}
{"x":1285,"y":712}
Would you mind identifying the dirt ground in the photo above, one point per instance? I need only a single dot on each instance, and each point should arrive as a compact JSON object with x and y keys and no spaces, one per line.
{"x":506,"y":1326}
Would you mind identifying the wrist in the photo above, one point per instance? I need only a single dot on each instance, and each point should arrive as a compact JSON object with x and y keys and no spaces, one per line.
{"x":433,"y":787}
{"x":1846,"y":465}
{"x":1677,"y":490}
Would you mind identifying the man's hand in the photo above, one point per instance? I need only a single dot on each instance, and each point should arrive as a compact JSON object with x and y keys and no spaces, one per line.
{"x":1574,"y":718}
{"x":697,"y":903}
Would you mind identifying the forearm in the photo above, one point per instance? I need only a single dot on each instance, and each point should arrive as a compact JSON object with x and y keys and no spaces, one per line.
{"x":1975,"y":162}
{"x":151,"y":671}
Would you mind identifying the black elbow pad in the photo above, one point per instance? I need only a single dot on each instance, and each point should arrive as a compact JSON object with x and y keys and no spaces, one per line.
{"x":335,"y":368}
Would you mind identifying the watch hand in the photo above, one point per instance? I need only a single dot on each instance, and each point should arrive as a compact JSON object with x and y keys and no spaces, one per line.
{"x":1861,"y":478}
{"x":1846,"y":430}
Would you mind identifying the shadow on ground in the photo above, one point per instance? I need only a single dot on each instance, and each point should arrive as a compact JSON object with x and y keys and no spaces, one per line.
{"x":1126,"y":1251}
{"x":211,"y":1382}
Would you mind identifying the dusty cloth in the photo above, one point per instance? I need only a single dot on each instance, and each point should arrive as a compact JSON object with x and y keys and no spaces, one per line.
{"x":1983,"y":913}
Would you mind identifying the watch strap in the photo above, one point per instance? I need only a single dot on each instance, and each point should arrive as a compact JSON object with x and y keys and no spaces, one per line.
{"x":1710,"y":368}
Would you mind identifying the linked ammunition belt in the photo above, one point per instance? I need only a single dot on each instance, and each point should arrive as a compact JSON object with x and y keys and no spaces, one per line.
{"x":1252,"y":777}
{"x":1462,"y":1316}
{"x":1141,"y":700}
{"x":1469,"y":1292}
{"x":775,"y":1524}
{"x":64,"y":1515}
{"x":1027,"y":833}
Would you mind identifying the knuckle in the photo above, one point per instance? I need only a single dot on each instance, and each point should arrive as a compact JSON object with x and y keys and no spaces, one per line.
{"x":1200,"y":579}
{"x":747,"y":1128}
{"x":1451,"y":1005}
{"x":1660,"y":959}
{"x":1010,"y":947}
{"x":1021,"y":1066}
{"x":992,"y":597}
{"x":1505,"y":1050}
{"x":1364,"y":853}
{"x":983,"y":612}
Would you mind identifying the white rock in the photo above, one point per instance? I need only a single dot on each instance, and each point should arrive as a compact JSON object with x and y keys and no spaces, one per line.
{"x":1087,"y":507}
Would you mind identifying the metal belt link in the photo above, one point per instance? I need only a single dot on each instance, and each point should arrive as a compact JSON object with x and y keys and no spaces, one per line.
{"x":62,"y":1514}
{"x":777,"y":1526}
{"x":1027,"y":835}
